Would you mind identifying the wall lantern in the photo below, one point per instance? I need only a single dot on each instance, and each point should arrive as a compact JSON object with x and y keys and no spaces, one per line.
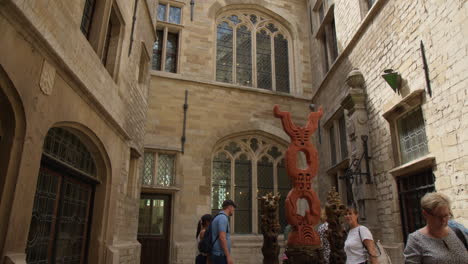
{"x":393,"y":79}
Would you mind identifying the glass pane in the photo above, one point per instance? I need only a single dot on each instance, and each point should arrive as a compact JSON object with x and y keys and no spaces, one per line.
{"x":171,"y":52}
{"x":244,"y":56}
{"x":68,"y":148}
{"x":157,"y":217}
{"x":224,"y":53}
{"x":243,"y":195}
{"x":233,"y":148}
{"x":166,"y":169}
{"x":334,"y":44}
{"x":162,"y":12}
{"x":157,"y":51}
{"x":221,"y":181}
{"x":43,"y":216}
{"x":144,"y":218}
{"x":264,"y":183}
{"x":275,"y":152}
{"x":263,"y":60}
{"x":412,"y":135}
{"x":148,"y":169}
{"x":284,"y":186}
{"x":86,"y":20}
{"x":281,"y":64}
{"x":235,"y":19}
{"x":343,"y":140}
{"x":332,"y":145}
{"x":174,"y":15}
{"x":72,"y":222}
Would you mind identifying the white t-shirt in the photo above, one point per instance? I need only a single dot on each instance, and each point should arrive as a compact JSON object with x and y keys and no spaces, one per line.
{"x":355,"y":250}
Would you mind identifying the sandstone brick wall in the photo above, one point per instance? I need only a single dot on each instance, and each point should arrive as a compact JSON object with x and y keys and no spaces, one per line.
{"x":391,"y":39}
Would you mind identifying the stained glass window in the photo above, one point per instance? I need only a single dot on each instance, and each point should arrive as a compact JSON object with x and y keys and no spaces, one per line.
{"x":233,"y":158}
{"x":161,"y":12}
{"x":224,"y":53}
{"x":252,"y":58}
{"x":243,"y":195}
{"x":412,"y":136}
{"x":157,"y":50}
{"x":264,"y":60}
{"x":171,"y":52}
{"x":221,"y":181}
{"x":244,"y":56}
{"x":158,"y":169}
{"x":281,"y":64}
{"x":174,"y":15}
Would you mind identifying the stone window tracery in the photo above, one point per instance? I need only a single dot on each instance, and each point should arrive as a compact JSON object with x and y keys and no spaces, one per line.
{"x":243,"y":169}
{"x":252,"y":50}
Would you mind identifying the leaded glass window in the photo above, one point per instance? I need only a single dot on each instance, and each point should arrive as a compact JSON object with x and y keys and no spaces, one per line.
{"x":157,"y":50}
{"x":64,"y":146}
{"x":331,"y":133}
{"x":158,"y":169}
{"x":171,"y":52}
{"x":162,"y":12}
{"x":174,"y":15}
{"x":284,"y":186}
{"x":257,"y":55}
{"x":87,"y":18}
{"x":224,"y":53}
{"x":412,"y":136}
{"x":241,"y":163}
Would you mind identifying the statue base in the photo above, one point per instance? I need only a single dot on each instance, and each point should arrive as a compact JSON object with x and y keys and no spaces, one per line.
{"x":304,"y":255}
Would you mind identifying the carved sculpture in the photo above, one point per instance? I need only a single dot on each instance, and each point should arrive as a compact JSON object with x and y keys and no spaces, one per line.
{"x":270,"y":228}
{"x":303,"y":239}
{"x":336,"y":234}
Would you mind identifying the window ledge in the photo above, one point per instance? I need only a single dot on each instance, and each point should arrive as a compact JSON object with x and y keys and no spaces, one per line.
{"x":407,"y":103}
{"x":159,"y":189}
{"x":180,"y":77}
{"x":413,"y":166}
{"x":161,"y":23}
{"x":378,"y":5}
{"x":338,"y":166}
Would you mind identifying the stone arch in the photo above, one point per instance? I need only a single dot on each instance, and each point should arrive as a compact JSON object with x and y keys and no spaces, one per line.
{"x":12,"y":133}
{"x":95,"y":182}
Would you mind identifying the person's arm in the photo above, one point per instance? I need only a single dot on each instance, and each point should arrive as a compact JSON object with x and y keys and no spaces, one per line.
{"x":412,"y":252}
{"x":372,"y":251}
{"x":224,"y":246}
{"x":202,"y":234}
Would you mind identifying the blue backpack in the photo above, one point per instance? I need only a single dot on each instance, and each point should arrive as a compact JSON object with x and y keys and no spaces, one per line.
{"x":206,"y":244}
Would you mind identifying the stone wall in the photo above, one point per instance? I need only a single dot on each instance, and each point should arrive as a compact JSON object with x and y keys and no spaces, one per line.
{"x":389,"y":36}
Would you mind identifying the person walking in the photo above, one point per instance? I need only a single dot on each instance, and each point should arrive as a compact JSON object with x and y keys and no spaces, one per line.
{"x":359,"y":245}
{"x":203,"y":224}
{"x":436,"y":243}
{"x":221,"y":252}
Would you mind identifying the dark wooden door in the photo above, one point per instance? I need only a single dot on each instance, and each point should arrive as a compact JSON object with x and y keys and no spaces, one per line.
{"x":154,"y":227}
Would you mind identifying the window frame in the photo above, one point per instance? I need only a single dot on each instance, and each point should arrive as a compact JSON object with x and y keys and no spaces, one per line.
{"x":254,"y":157}
{"x":168,"y":27}
{"x":334,"y":123}
{"x":154,"y":184}
{"x":254,"y":30}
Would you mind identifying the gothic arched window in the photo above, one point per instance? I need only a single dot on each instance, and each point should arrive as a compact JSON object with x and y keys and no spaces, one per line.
{"x":252,"y":50}
{"x":245,"y":168}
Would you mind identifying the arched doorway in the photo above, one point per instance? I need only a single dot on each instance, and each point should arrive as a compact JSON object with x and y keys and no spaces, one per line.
{"x":61,"y":219}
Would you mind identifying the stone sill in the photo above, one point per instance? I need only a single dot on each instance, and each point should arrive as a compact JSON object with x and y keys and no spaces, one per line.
{"x":378,"y":5}
{"x":215,"y":84}
{"x":414,"y":166}
{"x":159,"y":189}
{"x":408,"y":102}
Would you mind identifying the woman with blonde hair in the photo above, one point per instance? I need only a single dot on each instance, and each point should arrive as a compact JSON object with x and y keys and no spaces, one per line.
{"x":436,"y":243}
{"x":359,"y":245}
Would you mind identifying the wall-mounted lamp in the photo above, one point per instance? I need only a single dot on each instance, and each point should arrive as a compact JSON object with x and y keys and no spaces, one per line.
{"x":393,"y":79}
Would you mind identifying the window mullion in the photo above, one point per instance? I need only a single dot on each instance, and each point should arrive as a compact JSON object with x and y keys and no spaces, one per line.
{"x":254,"y":196}
{"x":234,"y":55}
{"x":254,"y":58}
{"x":275,"y":177}
{"x":164,"y":49}
{"x":273,"y":64}
{"x":168,"y":9}
{"x":155,"y":172}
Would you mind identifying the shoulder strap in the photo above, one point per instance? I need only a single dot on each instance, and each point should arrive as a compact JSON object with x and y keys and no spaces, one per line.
{"x":364,"y":245}
{"x":460,"y":236}
{"x":218,"y":232}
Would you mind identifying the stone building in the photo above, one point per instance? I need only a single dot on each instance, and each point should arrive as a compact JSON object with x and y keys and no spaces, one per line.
{"x":415,"y":124}
{"x":73,"y":85}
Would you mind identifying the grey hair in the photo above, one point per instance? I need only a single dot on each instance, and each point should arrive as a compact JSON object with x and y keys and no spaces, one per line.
{"x":430,"y":201}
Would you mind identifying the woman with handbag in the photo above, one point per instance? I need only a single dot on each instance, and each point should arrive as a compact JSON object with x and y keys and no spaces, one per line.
{"x":359,"y":245}
{"x":436,"y":242}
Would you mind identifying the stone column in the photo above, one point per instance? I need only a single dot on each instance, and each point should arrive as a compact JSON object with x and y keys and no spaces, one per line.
{"x":357,"y":130}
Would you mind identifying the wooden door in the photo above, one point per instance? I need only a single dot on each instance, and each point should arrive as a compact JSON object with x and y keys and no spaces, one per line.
{"x":154,"y":228}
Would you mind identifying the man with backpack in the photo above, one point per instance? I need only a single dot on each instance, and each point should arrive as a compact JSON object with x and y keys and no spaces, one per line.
{"x":221,"y":251}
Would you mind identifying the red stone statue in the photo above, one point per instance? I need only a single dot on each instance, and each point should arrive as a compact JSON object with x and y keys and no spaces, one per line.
{"x":303,"y":233}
